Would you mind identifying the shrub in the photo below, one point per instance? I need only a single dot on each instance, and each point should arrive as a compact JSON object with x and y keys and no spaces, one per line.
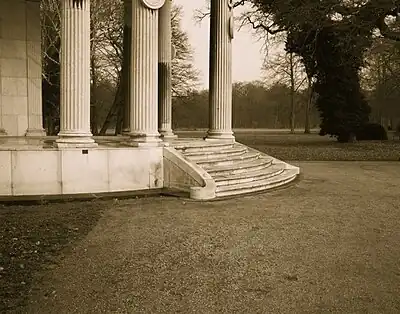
{"x":371,"y":132}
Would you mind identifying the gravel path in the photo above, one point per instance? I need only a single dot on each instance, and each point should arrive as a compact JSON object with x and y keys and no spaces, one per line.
{"x":330,"y":243}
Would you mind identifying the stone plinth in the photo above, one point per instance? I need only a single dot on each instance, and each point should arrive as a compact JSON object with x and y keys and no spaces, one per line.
{"x":164,"y":72}
{"x":75,"y":75}
{"x":144,"y":77}
{"x":220,"y":74}
{"x":34,"y":171}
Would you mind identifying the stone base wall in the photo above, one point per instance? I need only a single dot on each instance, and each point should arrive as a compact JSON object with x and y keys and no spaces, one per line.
{"x":51,"y":172}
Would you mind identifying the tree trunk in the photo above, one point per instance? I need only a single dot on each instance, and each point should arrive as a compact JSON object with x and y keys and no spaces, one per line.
{"x":113,"y":110}
{"x":93,"y":120}
{"x":276,"y":120}
{"x":307,"y":129}
{"x":119,"y":125}
{"x":292,"y":94}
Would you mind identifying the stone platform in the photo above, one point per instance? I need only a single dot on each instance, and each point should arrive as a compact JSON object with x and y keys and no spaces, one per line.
{"x":33,"y":167}
{"x":202,"y":170}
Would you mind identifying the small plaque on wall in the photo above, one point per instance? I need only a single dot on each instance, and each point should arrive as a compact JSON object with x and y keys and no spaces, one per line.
{"x":153,"y":4}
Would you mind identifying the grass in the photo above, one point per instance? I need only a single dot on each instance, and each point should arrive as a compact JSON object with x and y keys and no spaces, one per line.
{"x":312,"y":147}
{"x":327,"y":245}
{"x":34,"y":238}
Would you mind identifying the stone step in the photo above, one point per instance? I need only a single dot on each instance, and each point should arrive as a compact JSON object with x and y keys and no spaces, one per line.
{"x":217,"y":161}
{"x":285,"y":177}
{"x":239,"y":167}
{"x":249,"y":176}
{"x":200,"y":146}
{"x":221,"y":153}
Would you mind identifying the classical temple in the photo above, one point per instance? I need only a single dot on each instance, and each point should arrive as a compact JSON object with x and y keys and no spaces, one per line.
{"x":149,"y":157}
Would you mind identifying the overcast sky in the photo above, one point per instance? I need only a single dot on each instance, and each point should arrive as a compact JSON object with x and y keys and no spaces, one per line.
{"x":247,"y":57}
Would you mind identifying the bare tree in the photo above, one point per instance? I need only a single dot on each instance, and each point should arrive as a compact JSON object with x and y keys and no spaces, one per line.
{"x":106,"y":47}
{"x":286,"y":69}
{"x":185,"y":77}
{"x":105,"y":18}
{"x":381,"y":80}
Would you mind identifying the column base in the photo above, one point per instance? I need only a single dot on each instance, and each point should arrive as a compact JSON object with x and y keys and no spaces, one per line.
{"x":144,"y":140}
{"x":126,"y":131}
{"x":35,"y":133}
{"x":219,"y":136}
{"x":168,"y":135}
{"x":75,"y":142}
{"x":3,"y":132}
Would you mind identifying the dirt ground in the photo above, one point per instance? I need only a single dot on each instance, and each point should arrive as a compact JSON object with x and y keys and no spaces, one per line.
{"x":329,"y":243}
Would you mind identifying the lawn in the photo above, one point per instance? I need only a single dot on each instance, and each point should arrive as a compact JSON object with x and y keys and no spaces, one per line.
{"x":329,"y":244}
{"x":312,"y":147}
{"x":36,"y":239}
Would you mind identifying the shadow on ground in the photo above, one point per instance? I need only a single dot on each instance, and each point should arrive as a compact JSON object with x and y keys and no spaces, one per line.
{"x":327,"y":244}
{"x":34,"y":238}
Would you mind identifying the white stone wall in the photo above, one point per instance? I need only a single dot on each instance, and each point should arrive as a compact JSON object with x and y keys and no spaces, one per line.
{"x":28,"y":172}
{"x":20,"y":67}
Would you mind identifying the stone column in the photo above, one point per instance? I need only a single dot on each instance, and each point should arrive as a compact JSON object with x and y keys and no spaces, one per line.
{"x":164,"y":72}
{"x":75,"y":75}
{"x":34,"y":69}
{"x":126,"y":70}
{"x":144,"y":77}
{"x":220,"y":73}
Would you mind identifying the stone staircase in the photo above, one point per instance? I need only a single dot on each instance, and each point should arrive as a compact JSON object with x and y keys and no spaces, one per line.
{"x":236,"y":168}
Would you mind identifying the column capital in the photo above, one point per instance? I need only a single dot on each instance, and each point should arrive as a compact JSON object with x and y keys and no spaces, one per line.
{"x":153,"y":4}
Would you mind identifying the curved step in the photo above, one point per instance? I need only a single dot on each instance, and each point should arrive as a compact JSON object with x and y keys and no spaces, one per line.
{"x":256,"y":186}
{"x":252,"y":165}
{"x":221,"y":153}
{"x":201,"y":146}
{"x":215,"y":161}
{"x":249,"y":176}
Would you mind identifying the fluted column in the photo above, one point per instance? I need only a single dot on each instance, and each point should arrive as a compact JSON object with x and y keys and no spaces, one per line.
{"x":164,"y":72}
{"x":220,"y":73}
{"x":126,"y":68}
{"x":34,"y":69}
{"x":75,"y":75}
{"x":144,"y":77}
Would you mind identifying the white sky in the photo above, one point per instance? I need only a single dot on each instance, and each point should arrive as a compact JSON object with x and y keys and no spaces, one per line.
{"x":247,"y":57}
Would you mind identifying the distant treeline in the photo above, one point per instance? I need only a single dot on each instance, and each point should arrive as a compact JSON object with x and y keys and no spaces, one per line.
{"x":254,"y":106}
